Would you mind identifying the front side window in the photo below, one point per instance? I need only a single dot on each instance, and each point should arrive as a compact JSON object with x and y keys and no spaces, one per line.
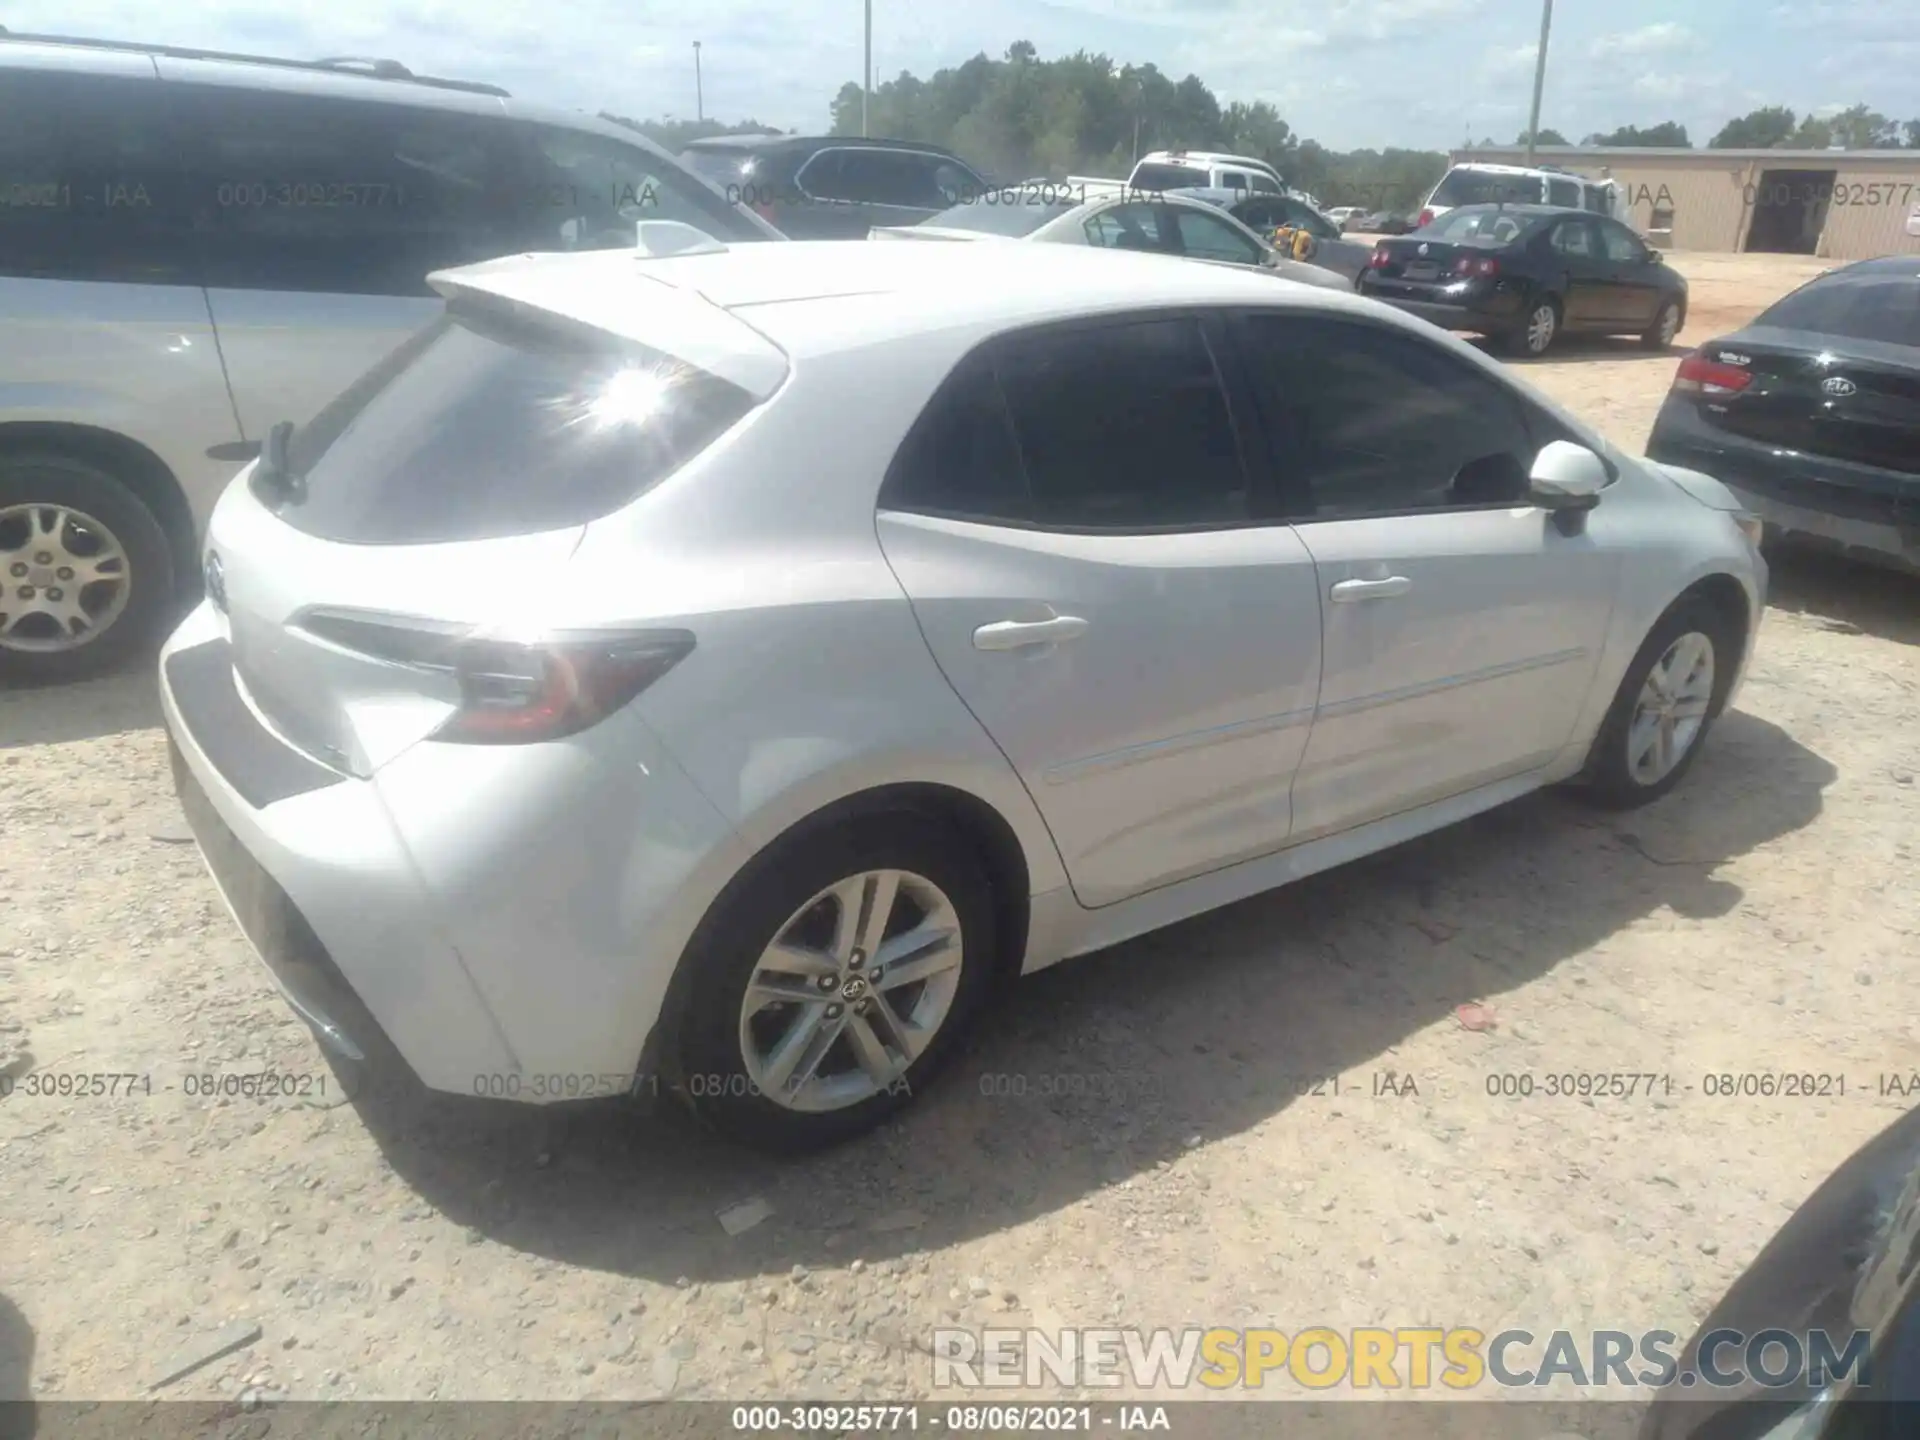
{"x":576,"y":190}
{"x":1233,"y":180}
{"x":1124,"y":427}
{"x":1623,"y":247}
{"x":1367,"y":421}
{"x":1208,"y":237}
{"x":89,"y":184}
{"x":1564,"y":192}
{"x":1265,"y":184}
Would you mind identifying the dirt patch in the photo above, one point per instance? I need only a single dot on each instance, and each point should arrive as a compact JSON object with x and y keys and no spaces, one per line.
{"x":1151,"y":1136}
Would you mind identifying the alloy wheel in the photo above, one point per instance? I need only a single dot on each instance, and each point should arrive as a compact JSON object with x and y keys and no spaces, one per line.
{"x":852,"y":991}
{"x":1671,"y":709}
{"x":64,"y":578}
{"x":1540,"y":327}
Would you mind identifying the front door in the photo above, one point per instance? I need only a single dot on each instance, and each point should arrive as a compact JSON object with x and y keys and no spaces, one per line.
{"x":1632,"y":279}
{"x":1461,"y":629}
{"x":1580,"y":259}
{"x":1074,"y":524}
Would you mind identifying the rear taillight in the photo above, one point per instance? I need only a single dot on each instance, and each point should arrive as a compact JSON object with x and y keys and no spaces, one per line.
{"x":514,"y":692}
{"x":1472,"y":266}
{"x":1699,"y":375}
{"x":1379,"y":258}
{"x":1426,"y":218}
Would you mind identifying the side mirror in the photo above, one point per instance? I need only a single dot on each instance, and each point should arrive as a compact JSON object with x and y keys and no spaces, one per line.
{"x":1566,"y":481}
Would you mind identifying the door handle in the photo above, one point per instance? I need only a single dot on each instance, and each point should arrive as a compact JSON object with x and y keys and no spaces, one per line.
{"x":1016,"y":634}
{"x":1348,"y":590}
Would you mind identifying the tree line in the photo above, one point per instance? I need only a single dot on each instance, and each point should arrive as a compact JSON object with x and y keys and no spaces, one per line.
{"x":1020,"y":116}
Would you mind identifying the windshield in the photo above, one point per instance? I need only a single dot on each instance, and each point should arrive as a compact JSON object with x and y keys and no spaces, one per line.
{"x":1167,"y":177}
{"x":1478,"y":226}
{"x":1016,"y":215}
{"x":1484,"y":187}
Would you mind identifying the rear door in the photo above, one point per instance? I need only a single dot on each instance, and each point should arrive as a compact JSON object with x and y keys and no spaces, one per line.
{"x":1461,"y":630}
{"x":1586,"y":275}
{"x":318,"y":220}
{"x":1101,"y":584}
{"x":102,"y":319}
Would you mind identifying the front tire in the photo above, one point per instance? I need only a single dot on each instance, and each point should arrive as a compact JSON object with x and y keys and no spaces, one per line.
{"x":833,"y":980}
{"x":1666,"y":325}
{"x":1667,"y":702}
{"x":86,"y":571}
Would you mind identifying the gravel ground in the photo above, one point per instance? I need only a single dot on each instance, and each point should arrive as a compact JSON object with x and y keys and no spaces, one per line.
{"x":1198,"y":1168}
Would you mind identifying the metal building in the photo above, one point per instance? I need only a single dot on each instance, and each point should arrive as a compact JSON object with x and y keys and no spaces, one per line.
{"x":1841,"y":204}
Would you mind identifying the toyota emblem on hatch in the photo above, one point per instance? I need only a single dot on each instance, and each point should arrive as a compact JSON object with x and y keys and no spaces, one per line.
{"x":215,"y":576}
{"x":1838,"y":385}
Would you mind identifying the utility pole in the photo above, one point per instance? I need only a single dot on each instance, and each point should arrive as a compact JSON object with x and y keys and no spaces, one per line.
{"x":1539,"y":75}
{"x":866,"y":70}
{"x":699,"y":93}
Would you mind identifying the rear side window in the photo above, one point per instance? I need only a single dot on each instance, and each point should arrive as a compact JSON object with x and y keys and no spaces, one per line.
{"x":1264,"y":184}
{"x":1866,"y":307}
{"x":1564,"y":192}
{"x":308,"y":193}
{"x":1124,"y":427}
{"x":481,"y":427}
{"x":961,"y":459}
{"x":89,"y":184}
{"x":1127,"y":227}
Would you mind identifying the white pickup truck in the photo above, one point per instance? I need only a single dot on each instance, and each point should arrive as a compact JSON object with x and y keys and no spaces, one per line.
{"x":1196,"y":170}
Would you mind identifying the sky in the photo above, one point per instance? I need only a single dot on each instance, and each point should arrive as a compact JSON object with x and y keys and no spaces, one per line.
{"x":1426,"y":74}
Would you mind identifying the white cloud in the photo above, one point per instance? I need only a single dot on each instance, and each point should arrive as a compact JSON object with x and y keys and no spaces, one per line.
{"x":1660,"y":39}
{"x":1505,"y":61}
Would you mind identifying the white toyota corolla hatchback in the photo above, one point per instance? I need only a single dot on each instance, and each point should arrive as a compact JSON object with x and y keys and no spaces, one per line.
{"x":713,"y":673}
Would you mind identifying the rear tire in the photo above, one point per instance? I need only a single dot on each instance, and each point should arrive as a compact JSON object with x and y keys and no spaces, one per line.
{"x":730,"y":1068}
{"x":1535,"y":334}
{"x":1622,"y":773}
{"x":56,"y":509}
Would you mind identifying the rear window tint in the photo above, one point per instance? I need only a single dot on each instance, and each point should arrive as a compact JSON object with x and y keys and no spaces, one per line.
{"x":481,"y":427}
{"x":1482,"y":187}
{"x":1166,"y":177}
{"x":1867,"y":307}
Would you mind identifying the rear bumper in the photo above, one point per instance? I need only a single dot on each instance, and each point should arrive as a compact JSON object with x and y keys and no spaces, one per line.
{"x":1481,"y":313}
{"x":1854,"y":508}
{"x":496,"y":920}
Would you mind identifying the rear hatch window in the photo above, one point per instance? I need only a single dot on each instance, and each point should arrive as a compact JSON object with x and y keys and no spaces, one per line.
{"x":487,"y":424}
{"x":1013,"y":217}
{"x":1483,"y":187}
{"x":1167,"y":177}
{"x":1885,"y":308}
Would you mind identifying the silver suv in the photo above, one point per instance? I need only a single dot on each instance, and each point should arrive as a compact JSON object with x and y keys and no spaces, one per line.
{"x":196,"y":246}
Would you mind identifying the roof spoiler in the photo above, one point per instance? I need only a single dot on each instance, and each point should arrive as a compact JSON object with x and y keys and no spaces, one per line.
{"x":613,"y":292}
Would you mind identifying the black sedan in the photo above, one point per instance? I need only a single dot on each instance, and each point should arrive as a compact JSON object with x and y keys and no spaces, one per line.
{"x":1812,"y":413}
{"x":1525,"y":274}
{"x":1839,"y":1275}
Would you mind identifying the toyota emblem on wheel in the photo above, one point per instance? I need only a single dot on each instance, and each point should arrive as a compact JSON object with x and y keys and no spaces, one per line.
{"x":1838,"y":385}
